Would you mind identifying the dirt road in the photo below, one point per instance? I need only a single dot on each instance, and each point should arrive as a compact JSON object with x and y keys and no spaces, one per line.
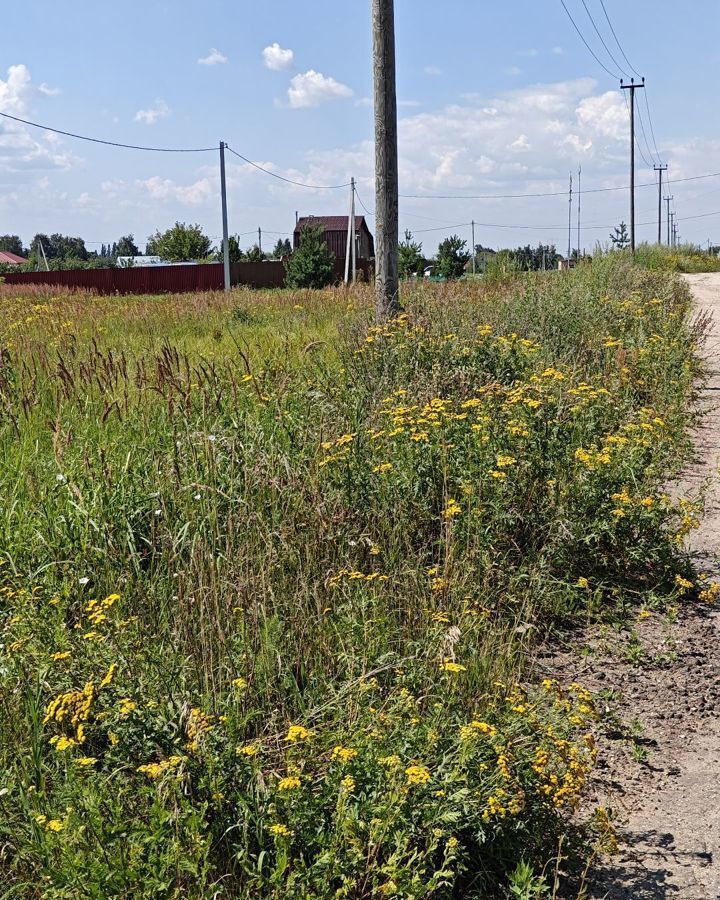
{"x":661,"y":677}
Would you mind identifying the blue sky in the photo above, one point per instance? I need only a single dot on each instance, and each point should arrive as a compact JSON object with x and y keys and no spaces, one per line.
{"x":494,"y":99}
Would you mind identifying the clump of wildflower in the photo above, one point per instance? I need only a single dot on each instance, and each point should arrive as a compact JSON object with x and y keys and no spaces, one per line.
{"x":454,"y":668}
{"x":417,"y":774}
{"x":127,"y":706}
{"x":157,"y":770}
{"x":452,"y":509}
{"x":280,"y":830}
{"x":297,"y":734}
{"x":683,"y":584}
{"x":86,"y":761}
{"x":345,"y":754}
{"x":248,"y":750}
{"x":239,"y":683}
{"x":348,"y":783}
{"x":582,"y":583}
{"x":288,"y":784}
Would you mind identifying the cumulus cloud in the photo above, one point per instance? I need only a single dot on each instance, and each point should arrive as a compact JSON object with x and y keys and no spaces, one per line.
{"x":214,"y":58}
{"x":312,"y":88}
{"x":276,"y":58}
{"x":19,"y":148}
{"x":160,"y":110}
{"x":435,"y":71}
{"x":48,"y":91}
{"x":163,"y":189}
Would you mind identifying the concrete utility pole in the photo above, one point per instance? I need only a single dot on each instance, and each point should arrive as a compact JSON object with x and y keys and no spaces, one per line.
{"x":672,"y":229}
{"x":473,"y":248}
{"x":660,"y":170}
{"x":667,"y":200}
{"x":387,"y":287}
{"x":570,"y":224}
{"x":632,"y":87}
{"x":579,"y":196}
{"x":260,"y":239}
{"x":226,"y":237}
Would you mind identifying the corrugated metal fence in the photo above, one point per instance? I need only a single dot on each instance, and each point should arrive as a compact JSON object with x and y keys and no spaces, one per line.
{"x":171,"y":279}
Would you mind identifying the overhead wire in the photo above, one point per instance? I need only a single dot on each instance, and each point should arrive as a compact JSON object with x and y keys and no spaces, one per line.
{"x":93,"y":140}
{"x":633,"y":69}
{"x":582,"y":38}
{"x":602,"y":39}
{"x":315,"y":187}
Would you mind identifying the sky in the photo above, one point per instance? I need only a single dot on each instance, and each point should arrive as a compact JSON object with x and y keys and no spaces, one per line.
{"x":494,"y":99}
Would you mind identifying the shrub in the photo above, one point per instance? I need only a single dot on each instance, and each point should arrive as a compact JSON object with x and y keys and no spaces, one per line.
{"x":312,"y":264}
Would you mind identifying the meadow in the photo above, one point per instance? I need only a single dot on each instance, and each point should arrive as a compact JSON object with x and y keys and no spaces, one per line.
{"x":271,"y":576}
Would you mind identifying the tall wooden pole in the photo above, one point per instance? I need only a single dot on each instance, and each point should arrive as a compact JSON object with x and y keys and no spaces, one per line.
{"x":387,"y":288}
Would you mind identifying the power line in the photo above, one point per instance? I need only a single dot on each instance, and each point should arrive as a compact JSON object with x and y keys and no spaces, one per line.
{"x":316,"y":187}
{"x":538,"y":195}
{"x":602,"y":39}
{"x":652,"y":130}
{"x":582,"y":38}
{"x":635,"y":71}
{"x":92,"y":140}
{"x":647,"y":145}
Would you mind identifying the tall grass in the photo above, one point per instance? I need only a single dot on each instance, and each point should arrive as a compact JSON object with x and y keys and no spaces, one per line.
{"x":272,"y":573}
{"x":686,"y":258}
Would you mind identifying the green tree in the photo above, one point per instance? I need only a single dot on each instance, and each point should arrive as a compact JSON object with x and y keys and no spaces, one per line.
{"x":126,"y":246}
{"x":312,"y":264}
{"x":58,"y":246}
{"x":620,"y":237}
{"x":451,"y":257}
{"x":180,"y":243}
{"x":410,"y":258}
{"x":282,"y":248}
{"x":11,"y":243}
{"x":255,"y":254}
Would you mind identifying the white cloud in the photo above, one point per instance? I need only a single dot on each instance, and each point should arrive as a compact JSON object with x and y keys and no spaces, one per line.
{"x":150,"y":116}
{"x":558,"y":51}
{"x":165,"y":189}
{"x":276,"y":58}
{"x":312,"y":88}
{"x":527,"y":53}
{"x":19,"y":148}
{"x":434,"y":71}
{"x":515,"y":71}
{"x":214,"y":58}
{"x":48,"y":91}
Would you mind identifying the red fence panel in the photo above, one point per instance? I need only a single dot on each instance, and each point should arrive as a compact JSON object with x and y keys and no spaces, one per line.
{"x":173,"y":279}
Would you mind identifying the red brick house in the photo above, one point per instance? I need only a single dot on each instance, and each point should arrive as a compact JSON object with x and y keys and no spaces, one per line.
{"x":335,"y":229}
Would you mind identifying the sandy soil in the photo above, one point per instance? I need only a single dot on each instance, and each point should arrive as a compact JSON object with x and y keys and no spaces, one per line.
{"x":659,"y":769}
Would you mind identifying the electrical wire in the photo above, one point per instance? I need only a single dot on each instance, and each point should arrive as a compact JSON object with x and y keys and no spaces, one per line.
{"x":602,"y":39}
{"x":652,"y":129}
{"x":92,"y":140}
{"x":315,"y":187}
{"x":582,"y":38}
{"x":633,"y":69}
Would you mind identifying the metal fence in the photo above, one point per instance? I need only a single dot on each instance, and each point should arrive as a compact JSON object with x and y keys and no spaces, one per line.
{"x":171,"y":279}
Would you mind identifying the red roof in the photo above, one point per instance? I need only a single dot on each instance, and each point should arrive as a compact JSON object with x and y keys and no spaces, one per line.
{"x":11,"y":259}
{"x":330,"y":223}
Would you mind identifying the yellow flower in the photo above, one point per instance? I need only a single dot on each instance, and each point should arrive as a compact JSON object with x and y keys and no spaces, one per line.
{"x":280,"y":830}
{"x":108,"y":676}
{"x":298,"y":733}
{"x":54,"y":825}
{"x":239,"y":683}
{"x":391,"y":762}
{"x":348,"y":783}
{"x":344,"y":753}
{"x":683,"y":583}
{"x":127,"y":706}
{"x":290,"y":783}
{"x":452,"y":509}
{"x":583,"y":583}
{"x":417,"y":774}
{"x":65,"y":743}
{"x":86,"y":761}
{"x":504,"y":462}
{"x":57,"y":657}
{"x":452,"y":667}
{"x":157,"y":770}
{"x":501,"y":476}
{"x":383,"y":468}
{"x":248,"y":750}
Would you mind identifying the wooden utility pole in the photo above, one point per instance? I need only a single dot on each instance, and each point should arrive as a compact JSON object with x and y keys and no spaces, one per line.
{"x":387,"y":288}
{"x":660,"y":170}
{"x":667,"y":200}
{"x":632,"y":87}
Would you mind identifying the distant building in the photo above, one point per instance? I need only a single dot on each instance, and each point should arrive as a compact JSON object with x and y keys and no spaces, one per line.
{"x":131,"y":262}
{"x":335,"y":230}
{"x":11,"y":259}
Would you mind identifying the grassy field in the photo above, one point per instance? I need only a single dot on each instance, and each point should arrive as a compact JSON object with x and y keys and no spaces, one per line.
{"x":271,"y":574}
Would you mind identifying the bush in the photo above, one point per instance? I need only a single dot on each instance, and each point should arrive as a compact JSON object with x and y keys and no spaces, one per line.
{"x":312,"y":265}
